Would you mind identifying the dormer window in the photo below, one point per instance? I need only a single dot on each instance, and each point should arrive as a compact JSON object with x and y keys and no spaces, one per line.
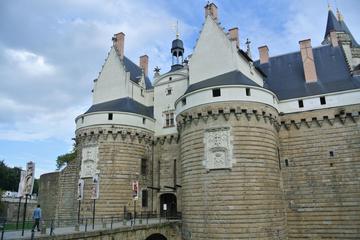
{"x":322,"y":100}
{"x":110,"y":116}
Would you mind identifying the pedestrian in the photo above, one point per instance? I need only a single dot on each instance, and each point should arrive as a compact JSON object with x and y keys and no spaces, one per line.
{"x":36,"y":217}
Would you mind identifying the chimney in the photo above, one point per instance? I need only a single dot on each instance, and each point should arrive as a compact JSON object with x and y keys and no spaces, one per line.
{"x":118,"y":42}
{"x":234,"y":35}
{"x":211,"y":9}
{"x":144,"y":64}
{"x":308,"y":61}
{"x":334,"y":39}
{"x":264,"y":54}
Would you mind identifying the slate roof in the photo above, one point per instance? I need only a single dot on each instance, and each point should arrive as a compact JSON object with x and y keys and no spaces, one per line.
{"x":122,"y":105}
{"x":230,"y":78}
{"x":135,"y":72}
{"x":285,"y":74}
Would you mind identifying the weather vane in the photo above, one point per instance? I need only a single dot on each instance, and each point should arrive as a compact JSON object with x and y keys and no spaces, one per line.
{"x":176,"y":28}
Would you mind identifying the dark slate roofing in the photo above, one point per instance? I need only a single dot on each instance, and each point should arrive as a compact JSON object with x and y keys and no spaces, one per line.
{"x":135,"y":72}
{"x":285,"y":75}
{"x":230,"y":78}
{"x":122,"y":105}
{"x":177,"y":44}
{"x":339,"y":26}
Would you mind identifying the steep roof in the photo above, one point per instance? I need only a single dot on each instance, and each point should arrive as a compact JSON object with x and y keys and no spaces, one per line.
{"x":230,"y":78}
{"x":333,"y":24}
{"x":122,"y":105}
{"x":285,"y":74}
{"x":135,"y":72}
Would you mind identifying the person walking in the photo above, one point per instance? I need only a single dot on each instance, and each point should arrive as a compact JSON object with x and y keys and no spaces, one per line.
{"x":36,"y":216}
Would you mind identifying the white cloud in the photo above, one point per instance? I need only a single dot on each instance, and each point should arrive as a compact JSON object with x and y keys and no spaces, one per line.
{"x":29,"y":62}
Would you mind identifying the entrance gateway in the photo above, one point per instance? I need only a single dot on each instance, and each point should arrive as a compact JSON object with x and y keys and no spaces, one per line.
{"x":168,"y":206}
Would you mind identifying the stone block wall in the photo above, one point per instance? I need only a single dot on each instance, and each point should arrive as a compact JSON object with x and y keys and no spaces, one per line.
{"x":320,"y":161}
{"x":244,"y":201}
{"x":48,"y":194}
{"x":119,"y":164}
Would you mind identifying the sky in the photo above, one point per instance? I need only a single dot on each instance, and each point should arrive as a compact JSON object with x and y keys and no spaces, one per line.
{"x":51,"y":51}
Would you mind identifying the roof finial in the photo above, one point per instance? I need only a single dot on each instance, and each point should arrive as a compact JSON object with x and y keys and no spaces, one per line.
{"x":329,"y":6}
{"x":248,"y":50}
{"x":339,"y":15}
{"x":177,"y":29}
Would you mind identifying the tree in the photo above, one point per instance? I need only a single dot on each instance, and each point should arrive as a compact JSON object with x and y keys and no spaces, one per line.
{"x":64,"y":159}
{"x":9,"y":177}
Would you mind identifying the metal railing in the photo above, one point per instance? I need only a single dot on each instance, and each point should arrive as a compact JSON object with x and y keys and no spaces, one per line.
{"x":60,"y":226}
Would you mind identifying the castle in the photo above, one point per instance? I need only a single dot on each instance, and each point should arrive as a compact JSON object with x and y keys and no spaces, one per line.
{"x":243,"y":149}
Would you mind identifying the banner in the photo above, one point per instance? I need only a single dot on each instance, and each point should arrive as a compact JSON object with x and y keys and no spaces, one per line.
{"x":80,"y":191}
{"x":135,"y":190}
{"x":21,"y":183}
{"x":29,"y":178}
{"x":95,"y":187}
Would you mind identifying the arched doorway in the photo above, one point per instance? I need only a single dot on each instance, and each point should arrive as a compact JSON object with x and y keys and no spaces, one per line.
{"x":170,"y":200}
{"x":156,"y":236}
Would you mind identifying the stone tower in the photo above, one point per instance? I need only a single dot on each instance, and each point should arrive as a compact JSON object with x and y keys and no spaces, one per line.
{"x":231,"y":183}
{"x":115,"y":135}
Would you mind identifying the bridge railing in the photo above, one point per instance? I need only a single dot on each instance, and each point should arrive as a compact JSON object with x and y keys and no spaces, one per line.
{"x":59,"y":226}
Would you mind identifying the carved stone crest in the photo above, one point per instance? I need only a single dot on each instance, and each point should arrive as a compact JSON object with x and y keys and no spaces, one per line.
{"x":89,"y":159}
{"x":218,"y":150}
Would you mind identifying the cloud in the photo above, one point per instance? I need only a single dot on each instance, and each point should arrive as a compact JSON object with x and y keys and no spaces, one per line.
{"x":29,"y":62}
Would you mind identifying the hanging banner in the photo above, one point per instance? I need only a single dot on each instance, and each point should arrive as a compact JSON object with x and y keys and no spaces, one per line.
{"x":21,"y":184}
{"x":29,"y":178}
{"x":95,"y":187}
{"x":135,"y":190}
{"x":80,"y":191}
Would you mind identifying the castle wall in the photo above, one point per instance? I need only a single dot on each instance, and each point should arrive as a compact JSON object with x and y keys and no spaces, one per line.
{"x":244,"y":201}
{"x":48,"y":194}
{"x":120,"y":151}
{"x":322,"y":188}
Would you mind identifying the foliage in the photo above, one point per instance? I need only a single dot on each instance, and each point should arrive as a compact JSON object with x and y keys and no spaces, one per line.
{"x":9,"y":177}
{"x":64,"y":159}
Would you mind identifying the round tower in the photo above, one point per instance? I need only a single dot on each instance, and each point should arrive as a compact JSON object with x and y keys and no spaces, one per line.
{"x":114,"y":143}
{"x":231,"y":186}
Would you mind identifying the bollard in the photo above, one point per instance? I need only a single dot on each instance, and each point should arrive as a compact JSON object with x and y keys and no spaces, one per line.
{"x":32,"y":235}
{"x":86,"y":220}
{"x":52,"y":228}
{"x":112,"y":220}
{"x":77,"y":227}
{"x":3,"y":229}
{"x":43,"y":228}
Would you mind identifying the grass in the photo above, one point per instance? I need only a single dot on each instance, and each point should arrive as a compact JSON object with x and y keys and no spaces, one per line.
{"x":12,"y":226}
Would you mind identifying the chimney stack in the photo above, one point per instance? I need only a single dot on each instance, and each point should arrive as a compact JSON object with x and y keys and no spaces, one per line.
{"x":211,"y":9}
{"x":264,"y":54}
{"x":308,"y":61}
{"x":234,"y":35}
{"x":144,"y":64}
{"x":334,"y":39}
{"x":118,"y":42}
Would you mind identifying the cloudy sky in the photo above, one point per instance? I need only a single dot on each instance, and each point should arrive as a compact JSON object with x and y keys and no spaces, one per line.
{"x":50,"y":52}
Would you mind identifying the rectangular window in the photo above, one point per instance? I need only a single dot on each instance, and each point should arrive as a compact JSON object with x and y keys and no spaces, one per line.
{"x":183,"y":101}
{"x":144,"y":166}
{"x":216,"y":92}
{"x":110,"y":116}
{"x":169,"y":119}
{"x":322,"y":100}
{"x":248,"y":93}
{"x":174,"y":173}
{"x":82,"y":119}
{"x":301,"y":103}
{"x":144,"y":198}
{"x":144,"y":120}
{"x":142,"y":92}
{"x":168,"y":91}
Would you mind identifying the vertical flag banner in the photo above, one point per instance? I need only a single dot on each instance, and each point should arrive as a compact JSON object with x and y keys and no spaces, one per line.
{"x":135,"y":189}
{"x":21,"y":183}
{"x":29,"y":178}
{"x":80,"y":191}
{"x":95,"y":187}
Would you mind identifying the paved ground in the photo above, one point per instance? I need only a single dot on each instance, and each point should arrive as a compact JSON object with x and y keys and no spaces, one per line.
{"x":69,"y":230}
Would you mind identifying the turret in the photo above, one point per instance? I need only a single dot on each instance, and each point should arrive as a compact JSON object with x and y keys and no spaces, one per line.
{"x":177,"y":52}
